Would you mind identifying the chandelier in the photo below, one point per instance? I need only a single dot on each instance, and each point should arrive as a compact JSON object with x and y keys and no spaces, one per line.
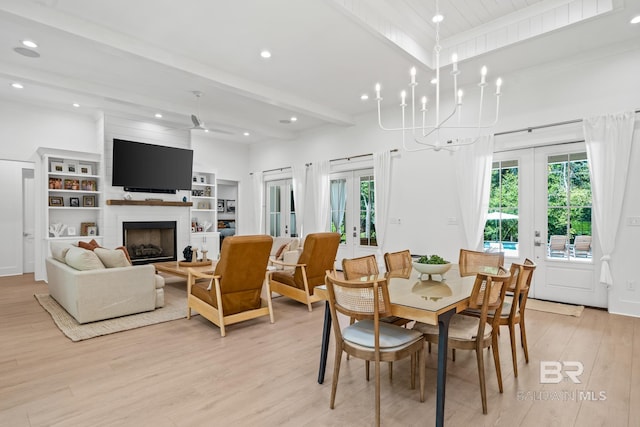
{"x":428,"y":135}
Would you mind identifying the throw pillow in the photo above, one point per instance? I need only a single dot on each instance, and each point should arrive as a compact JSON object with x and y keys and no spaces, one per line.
{"x":126,"y":253}
{"x":281,"y":250}
{"x":59,"y":250}
{"x":83,"y":259}
{"x":112,"y":258}
{"x":88,"y":245}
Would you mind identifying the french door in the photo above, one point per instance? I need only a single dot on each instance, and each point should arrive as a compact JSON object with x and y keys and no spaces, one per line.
{"x":353,"y":214}
{"x":546,"y":216}
{"x":280,"y":207}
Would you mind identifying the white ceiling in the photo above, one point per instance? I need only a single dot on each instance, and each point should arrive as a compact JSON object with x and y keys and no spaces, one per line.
{"x":136,"y":58}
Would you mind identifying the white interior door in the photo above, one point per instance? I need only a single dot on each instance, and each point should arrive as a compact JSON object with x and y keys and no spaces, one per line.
{"x":352,"y":213}
{"x":28,"y":221}
{"x":281,"y":215}
{"x":11,"y":217}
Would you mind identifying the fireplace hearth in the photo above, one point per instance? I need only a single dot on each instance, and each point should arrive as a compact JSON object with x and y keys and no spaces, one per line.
{"x":150,"y":241}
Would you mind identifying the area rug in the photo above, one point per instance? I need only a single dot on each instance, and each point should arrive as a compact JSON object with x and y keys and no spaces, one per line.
{"x":555,"y":307}
{"x":175,"y":308}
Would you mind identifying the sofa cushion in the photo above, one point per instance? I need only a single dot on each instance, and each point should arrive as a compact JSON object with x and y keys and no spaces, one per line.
{"x":82,"y":259}
{"x":282,"y":249}
{"x":59,"y":250}
{"x":112,"y":258}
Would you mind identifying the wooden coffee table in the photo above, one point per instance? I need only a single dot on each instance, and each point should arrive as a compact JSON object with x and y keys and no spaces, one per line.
{"x":175,"y":269}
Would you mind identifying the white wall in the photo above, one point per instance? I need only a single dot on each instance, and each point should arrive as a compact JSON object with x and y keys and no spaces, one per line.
{"x":423,"y":183}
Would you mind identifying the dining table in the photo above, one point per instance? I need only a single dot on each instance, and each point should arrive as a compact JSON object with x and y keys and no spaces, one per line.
{"x":432,"y":299}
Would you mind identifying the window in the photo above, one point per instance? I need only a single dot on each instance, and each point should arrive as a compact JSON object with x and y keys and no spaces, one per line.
{"x":501,"y":228}
{"x":367,"y":212}
{"x":569,"y":204}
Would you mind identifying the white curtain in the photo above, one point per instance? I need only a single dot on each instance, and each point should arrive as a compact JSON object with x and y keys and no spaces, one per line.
{"x":473,"y":177}
{"x":299,"y":194}
{"x":382,"y":182}
{"x":257,"y":183}
{"x":320,"y":181}
{"x":608,"y":140}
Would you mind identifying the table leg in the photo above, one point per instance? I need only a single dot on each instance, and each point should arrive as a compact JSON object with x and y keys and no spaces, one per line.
{"x":443,"y":339}
{"x":326,"y":333}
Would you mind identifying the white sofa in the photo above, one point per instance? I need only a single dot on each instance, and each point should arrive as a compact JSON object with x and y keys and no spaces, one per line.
{"x":289,"y":256}
{"x":99,"y":294}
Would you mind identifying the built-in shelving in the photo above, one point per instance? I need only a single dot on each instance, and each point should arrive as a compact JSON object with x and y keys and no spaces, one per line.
{"x":118,"y":202}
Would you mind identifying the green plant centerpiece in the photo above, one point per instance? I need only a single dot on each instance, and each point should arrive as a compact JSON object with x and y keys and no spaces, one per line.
{"x":430,"y":265}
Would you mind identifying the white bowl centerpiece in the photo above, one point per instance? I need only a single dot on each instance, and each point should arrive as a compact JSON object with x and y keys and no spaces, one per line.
{"x":433,"y":264}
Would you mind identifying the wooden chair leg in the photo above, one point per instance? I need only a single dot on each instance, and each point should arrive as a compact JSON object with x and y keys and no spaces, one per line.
{"x":421,"y":367}
{"x":377,"y":363}
{"x":523,"y":339}
{"x":366,"y":369}
{"x":390,"y":371}
{"x":453,"y":354}
{"x":483,"y":388}
{"x":514,"y":358}
{"x":496,"y":360}
{"x":336,"y":373}
{"x":413,"y":371}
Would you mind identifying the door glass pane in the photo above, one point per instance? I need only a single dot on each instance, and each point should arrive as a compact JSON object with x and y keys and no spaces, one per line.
{"x":274,"y":211}
{"x":569,"y":206}
{"x":338,"y":204}
{"x":501,"y":228}
{"x":367,"y":212}
{"x":292,"y":216}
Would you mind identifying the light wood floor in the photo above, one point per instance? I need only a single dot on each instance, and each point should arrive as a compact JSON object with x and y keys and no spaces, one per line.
{"x":182,"y":373}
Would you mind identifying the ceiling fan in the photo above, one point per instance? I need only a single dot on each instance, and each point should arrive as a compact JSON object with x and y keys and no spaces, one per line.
{"x":198,"y":124}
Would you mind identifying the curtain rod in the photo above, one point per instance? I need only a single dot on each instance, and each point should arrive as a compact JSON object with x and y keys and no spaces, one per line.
{"x":395,"y":150}
{"x":532,"y":128}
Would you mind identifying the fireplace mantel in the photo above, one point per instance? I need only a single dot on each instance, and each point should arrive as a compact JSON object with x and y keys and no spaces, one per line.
{"x":118,"y":202}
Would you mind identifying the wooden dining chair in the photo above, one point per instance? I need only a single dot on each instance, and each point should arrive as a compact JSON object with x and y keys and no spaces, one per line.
{"x":365,"y":266}
{"x":477,"y":333}
{"x":367,"y":300}
{"x":395,"y":261}
{"x":513,"y":312}
{"x":472,"y":262}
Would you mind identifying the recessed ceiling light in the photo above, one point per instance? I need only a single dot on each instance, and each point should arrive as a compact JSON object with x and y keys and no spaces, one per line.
{"x":206,"y":130}
{"x":364,"y":97}
{"x":635,"y":19}
{"x":293,"y":119}
{"x":76,"y":105}
{"x":29,"y":53}
{"x":246,"y":134}
{"x":437,"y":18}
{"x":17,"y":86}
{"x":265,"y":54}
{"x":158,"y":116}
{"x":434,"y":81}
{"x":30,"y":43}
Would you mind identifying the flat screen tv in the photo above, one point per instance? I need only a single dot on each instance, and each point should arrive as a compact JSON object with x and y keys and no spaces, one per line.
{"x":151,"y":168}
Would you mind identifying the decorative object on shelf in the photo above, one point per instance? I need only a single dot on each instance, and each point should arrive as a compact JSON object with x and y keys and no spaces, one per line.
{"x":55,"y":183}
{"x":89,"y":201}
{"x":204,"y":205}
{"x":230,"y":206}
{"x":71,"y":184}
{"x":74,"y":202}
{"x":84,"y":228}
{"x":56,"y":201}
{"x":204,"y":255}
{"x":56,"y":230}
{"x":127,"y":196}
{"x":207,"y":191}
{"x":88,"y":185}
{"x":188,"y":254}
{"x":197,"y":193}
{"x":203,"y":179}
{"x":85,"y":169}
{"x":57,"y":167}
{"x":71,"y":167}
{"x":71,"y":231}
{"x":184,"y":198}
{"x":420,"y":131}
{"x":92,"y":230}
{"x":220,"y":205}
{"x":206,"y":226}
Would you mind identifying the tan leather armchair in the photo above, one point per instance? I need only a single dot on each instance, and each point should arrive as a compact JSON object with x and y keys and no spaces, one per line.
{"x":232,"y":293}
{"x":318,"y":255}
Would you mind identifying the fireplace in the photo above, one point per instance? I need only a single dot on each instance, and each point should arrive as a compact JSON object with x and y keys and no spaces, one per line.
{"x":150,"y":241}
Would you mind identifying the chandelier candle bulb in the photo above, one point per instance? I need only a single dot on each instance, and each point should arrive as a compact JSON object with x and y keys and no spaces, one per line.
{"x":378,"y":91}
{"x":454,"y":61}
{"x":413,"y":75}
{"x":403,"y":97}
{"x":424,"y":103}
{"x":483,"y":76}
{"x":498,"y":85}
{"x":460,"y":93}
